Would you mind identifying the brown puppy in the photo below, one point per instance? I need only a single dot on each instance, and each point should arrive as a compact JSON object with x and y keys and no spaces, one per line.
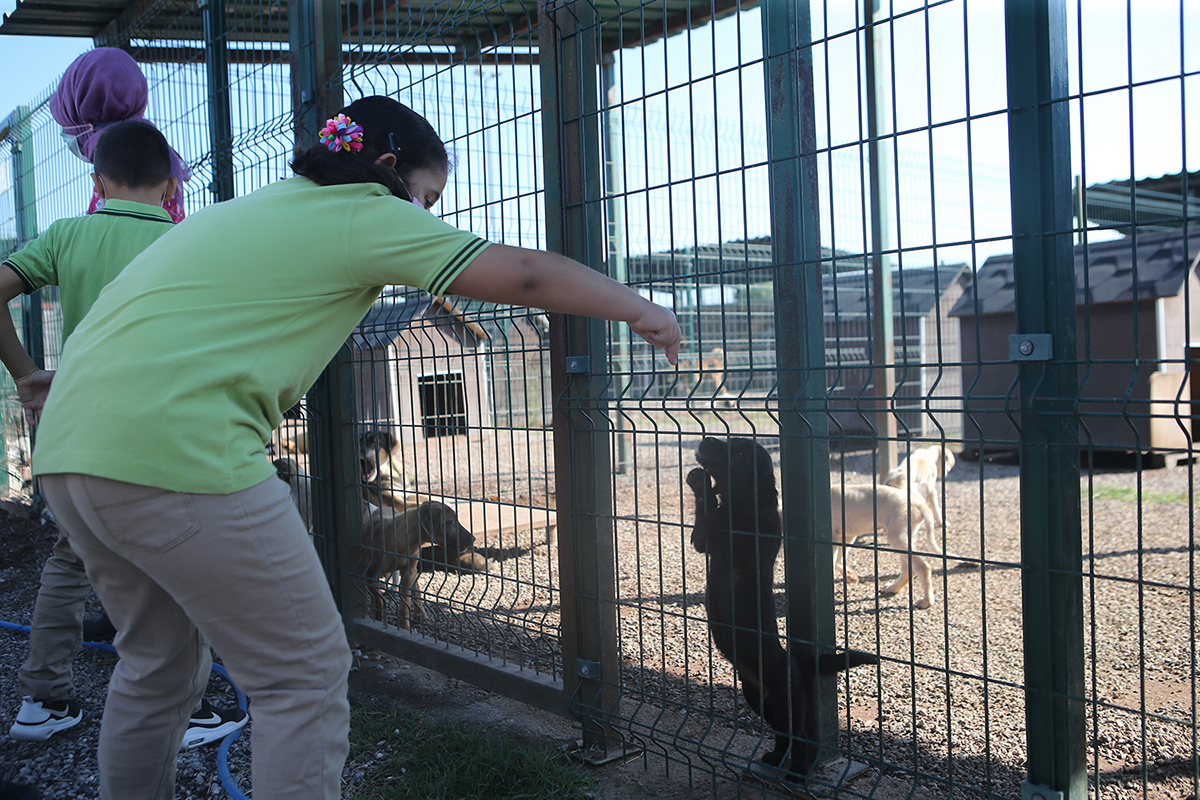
{"x":738,"y":525}
{"x":392,"y":542}
{"x":385,"y":486}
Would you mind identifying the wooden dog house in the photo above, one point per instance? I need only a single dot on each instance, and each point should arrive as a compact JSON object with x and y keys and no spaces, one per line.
{"x":1133,"y":315}
{"x":417,"y":370}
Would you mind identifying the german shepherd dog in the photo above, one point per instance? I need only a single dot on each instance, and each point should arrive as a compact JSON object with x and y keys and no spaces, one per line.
{"x":738,"y":526}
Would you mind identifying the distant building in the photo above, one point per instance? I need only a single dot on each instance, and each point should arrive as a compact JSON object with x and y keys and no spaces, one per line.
{"x":724,"y":297}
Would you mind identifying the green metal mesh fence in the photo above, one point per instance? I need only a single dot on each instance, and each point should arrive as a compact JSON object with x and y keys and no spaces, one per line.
{"x":959,"y":225}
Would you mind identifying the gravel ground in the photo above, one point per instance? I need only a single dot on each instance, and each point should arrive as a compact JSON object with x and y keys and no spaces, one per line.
{"x":65,"y":766}
{"x":943,"y":715}
{"x":944,"y":712}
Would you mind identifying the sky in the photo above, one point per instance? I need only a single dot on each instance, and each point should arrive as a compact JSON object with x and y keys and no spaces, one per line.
{"x":711,"y":120}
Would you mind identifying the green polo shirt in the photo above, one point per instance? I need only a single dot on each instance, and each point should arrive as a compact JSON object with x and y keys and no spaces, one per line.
{"x":81,"y":255}
{"x":189,"y":358}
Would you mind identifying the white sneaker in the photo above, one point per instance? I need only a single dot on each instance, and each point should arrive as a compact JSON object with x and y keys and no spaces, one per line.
{"x":38,"y":720}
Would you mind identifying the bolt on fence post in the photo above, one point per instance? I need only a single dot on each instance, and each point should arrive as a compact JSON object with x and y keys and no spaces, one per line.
{"x":569,"y":62}
{"x":1044,"y":271}
{"x":800,"y":332}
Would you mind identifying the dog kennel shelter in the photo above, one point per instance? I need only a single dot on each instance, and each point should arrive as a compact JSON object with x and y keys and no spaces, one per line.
{"x":1139,"y":284}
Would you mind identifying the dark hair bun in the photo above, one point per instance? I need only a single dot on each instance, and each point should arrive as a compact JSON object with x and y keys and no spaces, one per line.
{"x":388,"y":127}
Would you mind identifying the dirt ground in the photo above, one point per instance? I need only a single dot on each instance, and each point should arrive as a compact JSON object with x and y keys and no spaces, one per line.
{"x":942,"y":715}
{"x":65,"y":767}
{"x":944,"y":712}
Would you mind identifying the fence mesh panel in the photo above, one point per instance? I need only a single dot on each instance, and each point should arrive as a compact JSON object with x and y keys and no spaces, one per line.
{"x":920,"y":180}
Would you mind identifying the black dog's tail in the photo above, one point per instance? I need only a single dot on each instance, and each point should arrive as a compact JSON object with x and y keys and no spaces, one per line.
{"x":836,"y":662}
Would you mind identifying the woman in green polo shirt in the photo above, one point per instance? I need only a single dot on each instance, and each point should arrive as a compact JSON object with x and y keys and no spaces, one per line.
{"x":151,"y":451}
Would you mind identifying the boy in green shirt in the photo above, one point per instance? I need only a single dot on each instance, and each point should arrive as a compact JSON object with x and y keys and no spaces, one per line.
{"x":81,"y":256}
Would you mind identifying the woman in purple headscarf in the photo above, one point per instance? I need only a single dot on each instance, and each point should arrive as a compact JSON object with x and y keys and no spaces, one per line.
{"x":101,"y":87}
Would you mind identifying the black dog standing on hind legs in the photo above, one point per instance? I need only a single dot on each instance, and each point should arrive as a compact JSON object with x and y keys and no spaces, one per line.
{"x":739,"y":527}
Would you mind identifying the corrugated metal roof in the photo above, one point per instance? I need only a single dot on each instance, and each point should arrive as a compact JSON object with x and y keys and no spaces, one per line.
{"x":1161,"y":203}
{"x":61,"y":17}
{"x":448,"y":25}
{"x":915,"y":292}
{"x":1161,"y":259}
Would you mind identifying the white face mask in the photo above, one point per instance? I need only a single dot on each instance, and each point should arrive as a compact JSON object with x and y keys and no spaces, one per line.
{"x":73,"y":146}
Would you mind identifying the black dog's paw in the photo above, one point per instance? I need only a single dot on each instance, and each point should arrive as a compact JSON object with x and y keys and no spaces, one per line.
{"x":699,"y":541}
{"x":700,"y":482}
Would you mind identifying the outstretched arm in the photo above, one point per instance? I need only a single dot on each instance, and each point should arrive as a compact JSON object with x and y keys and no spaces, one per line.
{"x":33,"y":384}
{"x":553,"y":282}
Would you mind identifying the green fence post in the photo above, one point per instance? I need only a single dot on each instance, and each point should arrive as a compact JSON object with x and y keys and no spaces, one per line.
{"x":569,"y":59}
{"x":615,"y":218}
{"x":800,"y":333}
{"x":1045,"y":349}
{"x":883,"y":314}
{"x":220,"y":116}
{"x":316,"y":73}
{"x":19,"y":126}
{"x":316,"y":65}
{"x":25,"y":207}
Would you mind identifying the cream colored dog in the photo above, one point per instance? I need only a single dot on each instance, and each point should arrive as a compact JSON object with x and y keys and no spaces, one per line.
{"x":866,"y":508}
{"x":919,"y":473}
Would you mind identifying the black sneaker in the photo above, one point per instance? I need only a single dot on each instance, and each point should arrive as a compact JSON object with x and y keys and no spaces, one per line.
{"x":17,"y":791}
{"x":210,"y":725}
{"x":99,"y":629}
{"x":38,"y":720}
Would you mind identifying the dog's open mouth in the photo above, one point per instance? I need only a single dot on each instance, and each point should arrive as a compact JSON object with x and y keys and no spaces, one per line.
{"x":369,"y":473}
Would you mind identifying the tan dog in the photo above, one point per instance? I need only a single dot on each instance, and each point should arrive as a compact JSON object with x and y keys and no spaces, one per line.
{"x":383,"y":478}
{"x":392,"y":542}
{"x":297,"y":444}
{"x":385,"y":486}
{"x":919,"y":474}
{"x":869,"y":508}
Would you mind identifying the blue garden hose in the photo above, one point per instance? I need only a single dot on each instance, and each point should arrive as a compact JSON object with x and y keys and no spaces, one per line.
{"x":222,"y":751}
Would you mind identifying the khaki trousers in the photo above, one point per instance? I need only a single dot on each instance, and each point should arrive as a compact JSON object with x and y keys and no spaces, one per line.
{"x":56,"y":629}
{"x":177,"y":572}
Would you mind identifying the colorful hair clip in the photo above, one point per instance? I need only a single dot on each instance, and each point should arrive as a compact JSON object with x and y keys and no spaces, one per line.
{"x":341,"y":133}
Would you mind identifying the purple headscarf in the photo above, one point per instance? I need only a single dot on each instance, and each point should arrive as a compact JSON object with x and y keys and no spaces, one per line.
{"x":103,"y":86}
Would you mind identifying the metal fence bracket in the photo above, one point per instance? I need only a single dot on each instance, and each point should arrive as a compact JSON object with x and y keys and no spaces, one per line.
{"x":1031,"y":791}
{"x":597,"y":756}
{"x":579,"y":365}
{"x":587,"y":669}
{"x":1030,"y":347}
